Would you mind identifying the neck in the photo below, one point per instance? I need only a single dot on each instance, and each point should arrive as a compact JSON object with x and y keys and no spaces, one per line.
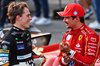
{"x":17,"y":25}
{"x":77,"y":26}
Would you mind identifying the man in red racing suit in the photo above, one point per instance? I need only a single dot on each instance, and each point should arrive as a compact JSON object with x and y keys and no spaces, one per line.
{"x":84,"y":45}
{"x":80,"y":45}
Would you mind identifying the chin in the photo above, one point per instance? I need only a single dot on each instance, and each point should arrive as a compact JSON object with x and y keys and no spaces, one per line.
{"x":27,"y":27}
{"x":68,"y":27}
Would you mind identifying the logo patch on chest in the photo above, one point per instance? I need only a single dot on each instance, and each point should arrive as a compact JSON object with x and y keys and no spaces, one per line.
{"x":20,"y":47}
{"x":80,"y":37}
{"x":78,"y":45}
{"x":68,"y":37}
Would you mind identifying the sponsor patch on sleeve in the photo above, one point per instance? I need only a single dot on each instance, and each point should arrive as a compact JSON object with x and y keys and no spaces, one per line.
{"x":4,"y":55}
{"x":93,"y":39}
{"x":4,"y":51}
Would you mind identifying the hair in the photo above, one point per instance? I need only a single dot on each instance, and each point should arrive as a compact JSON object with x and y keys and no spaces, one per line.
{"x":81,"y":19}
{"x":15,"y":9}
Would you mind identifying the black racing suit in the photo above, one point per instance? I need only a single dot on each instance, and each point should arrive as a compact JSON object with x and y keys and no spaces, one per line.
{"x":16,"y":47}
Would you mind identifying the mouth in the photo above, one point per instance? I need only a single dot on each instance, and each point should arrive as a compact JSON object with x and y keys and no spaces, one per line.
{"x":66,"y":23}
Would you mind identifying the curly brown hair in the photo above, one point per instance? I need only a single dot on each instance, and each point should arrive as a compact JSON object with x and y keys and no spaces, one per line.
{"x":15,"y":9}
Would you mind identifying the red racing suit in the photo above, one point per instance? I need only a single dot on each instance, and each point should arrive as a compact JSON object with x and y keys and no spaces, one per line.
{"x":85,"y":44}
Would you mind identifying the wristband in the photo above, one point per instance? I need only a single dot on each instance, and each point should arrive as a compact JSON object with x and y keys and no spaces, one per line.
{"x":71,"y":53}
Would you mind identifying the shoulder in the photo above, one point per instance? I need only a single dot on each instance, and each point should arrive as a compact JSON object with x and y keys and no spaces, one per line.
{"x":91,"y":34}
{"x":27,"y":30}
{"x":89,"y":31}
{"x":9,"y":35}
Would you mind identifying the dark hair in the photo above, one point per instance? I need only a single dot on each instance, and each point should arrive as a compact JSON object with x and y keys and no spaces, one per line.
{"x":15,"y":9}
{"x":81,"y":19}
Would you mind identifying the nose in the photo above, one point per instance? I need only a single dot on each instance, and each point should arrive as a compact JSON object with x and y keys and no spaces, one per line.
{"x":30,"y":18}
{"x":64,"y":20}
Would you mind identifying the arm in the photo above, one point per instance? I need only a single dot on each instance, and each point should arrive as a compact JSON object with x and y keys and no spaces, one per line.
{"x":5,"y":47}
{"x":64,"y":59}
{"x":4,"y":53}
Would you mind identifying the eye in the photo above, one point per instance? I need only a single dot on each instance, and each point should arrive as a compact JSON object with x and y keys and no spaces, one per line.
{"x":67,"y":17}
{"x":28,"y":15}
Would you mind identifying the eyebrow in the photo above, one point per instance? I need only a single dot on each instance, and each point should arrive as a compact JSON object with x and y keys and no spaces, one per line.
{"x":68,"y":17}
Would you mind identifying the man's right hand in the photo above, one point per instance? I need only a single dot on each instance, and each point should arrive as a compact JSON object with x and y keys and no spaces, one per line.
{"x":66,"y":58}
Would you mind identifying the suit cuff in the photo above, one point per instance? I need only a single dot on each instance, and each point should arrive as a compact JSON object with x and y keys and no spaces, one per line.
{"x":64,"y":61}
{"x":72,"y":53}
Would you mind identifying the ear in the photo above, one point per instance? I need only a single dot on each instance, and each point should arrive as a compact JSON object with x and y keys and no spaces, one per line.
{"x":17,"y":17}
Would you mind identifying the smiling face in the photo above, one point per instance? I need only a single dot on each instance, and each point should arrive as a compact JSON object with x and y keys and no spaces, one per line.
{"x":69,"y":21}
{"x":25,"y":19}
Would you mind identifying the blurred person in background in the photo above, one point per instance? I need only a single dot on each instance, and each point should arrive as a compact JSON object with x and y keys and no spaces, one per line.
{"x":3,"y":12}
{"x":41,"y":6}
{"x":88,"y":11}
{"x":96,"y":23}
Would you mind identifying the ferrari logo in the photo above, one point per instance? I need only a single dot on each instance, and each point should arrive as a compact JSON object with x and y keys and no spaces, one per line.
{"x":80,"y":37}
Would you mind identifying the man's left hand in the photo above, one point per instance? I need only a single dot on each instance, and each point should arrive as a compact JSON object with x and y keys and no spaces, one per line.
{"x":66,"y":58}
